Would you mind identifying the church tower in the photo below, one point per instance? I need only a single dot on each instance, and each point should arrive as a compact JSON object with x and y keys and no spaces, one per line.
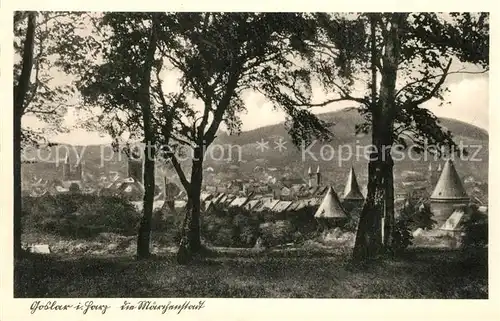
{"x":318,"y":177}
{"x":310,"y":177}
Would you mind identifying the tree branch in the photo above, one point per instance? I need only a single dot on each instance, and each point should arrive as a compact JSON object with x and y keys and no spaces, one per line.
{"x":180,"y":172}
{"x":232,"y":83}
{"x":182,"y":68}
{"x":180,"y":140}
{"x":440,"y":75}
{"x":37,"y":77}
{"x":436,"y":87}
{"x":330,"y":101}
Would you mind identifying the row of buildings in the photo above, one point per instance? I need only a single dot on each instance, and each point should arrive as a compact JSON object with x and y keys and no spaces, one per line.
{"x":289,"y":195}
{"x":448,"y":196}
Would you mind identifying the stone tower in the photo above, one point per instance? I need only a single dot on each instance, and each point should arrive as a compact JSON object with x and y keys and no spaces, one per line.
{"x":331,"y":213}
{"x":448,"y":193}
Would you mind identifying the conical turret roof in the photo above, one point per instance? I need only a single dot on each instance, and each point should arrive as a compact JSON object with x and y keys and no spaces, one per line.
{"x":330,"y":207}
{"x":449,"y":185}
{"x":352,"y":191}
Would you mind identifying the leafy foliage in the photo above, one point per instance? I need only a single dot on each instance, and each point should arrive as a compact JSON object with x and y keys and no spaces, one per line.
{"x":215,"y":67}
{"x":423,"y":218}
{"x":431,"y":43}
{"x":230,"y":227}
{"x":48,"y":97}
{"x":402,"y":236}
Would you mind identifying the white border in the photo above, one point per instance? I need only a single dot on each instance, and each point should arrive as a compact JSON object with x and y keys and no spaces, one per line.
{"x":255,"y":309}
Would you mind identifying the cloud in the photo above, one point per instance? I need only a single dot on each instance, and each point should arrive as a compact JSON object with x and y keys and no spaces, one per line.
{"x":80,"y":137}
{"x":468,"y":101}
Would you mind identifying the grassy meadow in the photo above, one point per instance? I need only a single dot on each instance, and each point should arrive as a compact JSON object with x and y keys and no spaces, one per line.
{"x":421,"y":273}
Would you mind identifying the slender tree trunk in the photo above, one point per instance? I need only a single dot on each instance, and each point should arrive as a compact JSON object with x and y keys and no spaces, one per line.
{"x":376,"y":224}
{"x":194,"y":226}
{"x":191,"y":238}
{"x":168,"y":203}
{"x":144,"y":233}
{"x":389,"y":206}
{"x":22,"y":87}
{"x":20,"y":92}
{"x":184,"y":254}
{"x":17,"y":187}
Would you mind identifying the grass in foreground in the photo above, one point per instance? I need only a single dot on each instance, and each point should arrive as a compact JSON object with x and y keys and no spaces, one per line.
{"x":422,"y":273}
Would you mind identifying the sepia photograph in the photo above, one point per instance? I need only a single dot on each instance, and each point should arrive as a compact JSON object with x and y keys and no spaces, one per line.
{"x":340,"y":155}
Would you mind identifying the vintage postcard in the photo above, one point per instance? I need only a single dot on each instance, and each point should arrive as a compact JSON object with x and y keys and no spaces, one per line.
{"x":167,"y":161}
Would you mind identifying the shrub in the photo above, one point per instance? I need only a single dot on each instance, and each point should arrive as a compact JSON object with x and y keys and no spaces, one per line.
{"x":410,"y":217}
{"x":245,"y":230}
{"x":475,"y":229}
{"x":351,"y":225}
{"x":422,"y":218}
{"x":417,"y":214}
{"x":167,"y":226}
{"x":80,"y":216}
{"x":230,"y":227}
{"x":303,"y":220}
{"x":280,"y":232}
{"x":74,"y":188}
{"x":402,"y":236}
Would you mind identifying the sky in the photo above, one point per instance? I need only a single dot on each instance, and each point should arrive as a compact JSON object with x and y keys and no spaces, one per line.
{"x":468,"y":97}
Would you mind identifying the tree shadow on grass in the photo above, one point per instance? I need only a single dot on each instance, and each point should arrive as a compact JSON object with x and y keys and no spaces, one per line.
{"x":421,"y":274}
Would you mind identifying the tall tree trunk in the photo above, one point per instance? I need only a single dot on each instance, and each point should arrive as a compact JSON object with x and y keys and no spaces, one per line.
{"x":376,"y":221}
{"x":376,"y":224}
{"x":391,"y":60}
{"x":20,"y":92}
{"x":144,"y":233}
